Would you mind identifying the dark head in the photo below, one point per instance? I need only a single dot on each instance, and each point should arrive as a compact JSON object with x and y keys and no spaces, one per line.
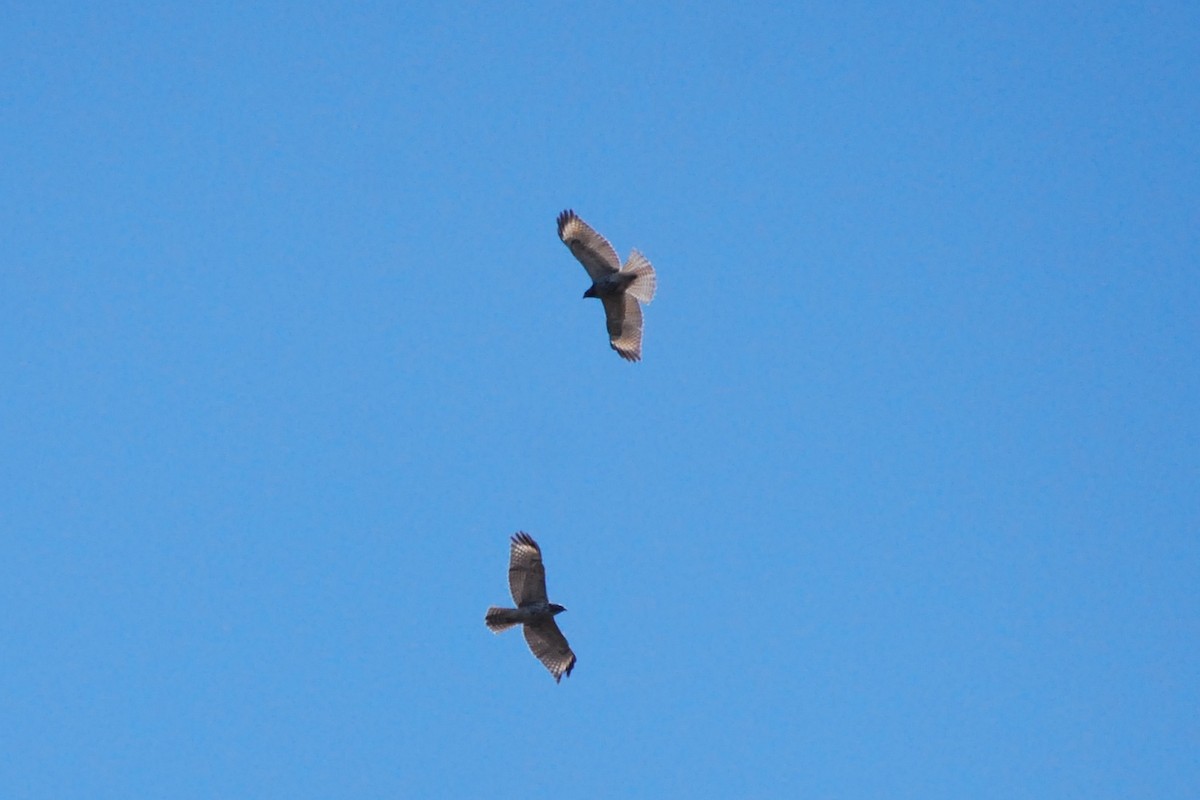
{"x":556,"y":609}
{"x":591,"y":292}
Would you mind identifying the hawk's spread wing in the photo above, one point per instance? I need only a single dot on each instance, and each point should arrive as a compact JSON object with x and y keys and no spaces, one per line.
{"x":593,"y":250}
{"x":624,"y":317}
{"x":526,"y":573}
{"x":550,"y":646}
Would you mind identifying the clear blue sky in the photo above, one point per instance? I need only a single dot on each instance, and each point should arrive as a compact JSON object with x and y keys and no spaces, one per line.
{"x":901,"y":503}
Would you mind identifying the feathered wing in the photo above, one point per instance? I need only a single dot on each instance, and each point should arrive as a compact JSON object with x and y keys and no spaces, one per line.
{"x":624,"y":318}
{"x":593,"y":250}
{"x":550,"y":646}
{"x":644,"y":282}
{"x":526,"y":573}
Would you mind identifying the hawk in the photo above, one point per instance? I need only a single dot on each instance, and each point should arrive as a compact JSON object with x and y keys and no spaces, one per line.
{"x":527,"y":582}
{"x":618,"y":287}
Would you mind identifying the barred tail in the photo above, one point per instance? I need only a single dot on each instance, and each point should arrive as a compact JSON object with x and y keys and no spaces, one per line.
{"x":644,"y":282}
{"x":500,"y":619}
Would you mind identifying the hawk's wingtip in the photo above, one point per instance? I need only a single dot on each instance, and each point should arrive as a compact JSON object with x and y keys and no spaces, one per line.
{"x":565,"y":216}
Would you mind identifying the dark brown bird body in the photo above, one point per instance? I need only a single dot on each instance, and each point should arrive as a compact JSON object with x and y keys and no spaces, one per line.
{"x":527,"y":583}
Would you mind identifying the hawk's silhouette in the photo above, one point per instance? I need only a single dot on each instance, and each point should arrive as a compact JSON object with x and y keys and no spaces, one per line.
{"x":619,"y":288}
{"x":527,"y":582}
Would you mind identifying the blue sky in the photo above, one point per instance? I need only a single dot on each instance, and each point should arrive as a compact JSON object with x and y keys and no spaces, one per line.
{"x":902,"y":502}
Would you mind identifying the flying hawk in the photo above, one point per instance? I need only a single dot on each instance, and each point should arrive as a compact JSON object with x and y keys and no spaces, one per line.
{"x":619,"y":288}
{"x":527,"y":582}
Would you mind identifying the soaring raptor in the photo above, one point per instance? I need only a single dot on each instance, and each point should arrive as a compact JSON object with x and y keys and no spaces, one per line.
{"x":618,"y":287}
{"x":527,"y":582}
